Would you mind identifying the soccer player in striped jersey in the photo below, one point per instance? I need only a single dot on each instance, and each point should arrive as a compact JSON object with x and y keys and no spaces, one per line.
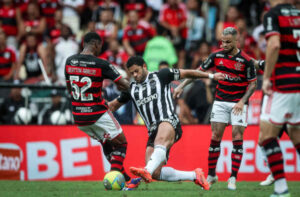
{"x":281,"y":82}
{"x":151,"y":95}
{"x":84,"y":76}
{"x":230,"y":105}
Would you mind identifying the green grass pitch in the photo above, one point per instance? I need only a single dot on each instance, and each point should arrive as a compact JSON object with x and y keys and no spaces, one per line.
{"x":156,"y":189}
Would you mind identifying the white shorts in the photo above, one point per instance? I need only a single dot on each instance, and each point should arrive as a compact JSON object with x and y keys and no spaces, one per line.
{"x":106,"y":128}
{"x":222,"y":112}
{"x":281,"y":108}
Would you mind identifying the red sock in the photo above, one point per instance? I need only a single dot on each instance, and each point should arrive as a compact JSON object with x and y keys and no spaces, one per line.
{"x":236,"y":157}
{"x":275,"y":158}
{"x":213,"y":155}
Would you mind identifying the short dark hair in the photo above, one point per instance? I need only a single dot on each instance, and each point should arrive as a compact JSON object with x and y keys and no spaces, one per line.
{"x":135,"y":60}
{"x":163,"y":63}
{"x":230,"y":30}
{"x":91,"y":37}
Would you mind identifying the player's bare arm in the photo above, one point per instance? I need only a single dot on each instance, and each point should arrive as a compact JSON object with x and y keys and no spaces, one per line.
{"x":114,"y":105}
{"x":122,"y":84}
{"x":272,"y":53}
{"x":238,"y":108}
{"x":191,"y":75}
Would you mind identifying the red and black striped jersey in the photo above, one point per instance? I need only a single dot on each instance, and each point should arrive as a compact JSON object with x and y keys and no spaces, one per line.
{"x":8,"y":20}
{"x":239,"y":71}
{"x":85,"y":74}
{"x":48,"y":9}
{"x":7,"y":58}
{"x":284,"y":20}
{"x":139,"y":36}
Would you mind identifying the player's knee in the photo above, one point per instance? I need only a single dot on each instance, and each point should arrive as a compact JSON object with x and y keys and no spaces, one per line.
{"x":237,"y":136}
{"x":216,"y":136}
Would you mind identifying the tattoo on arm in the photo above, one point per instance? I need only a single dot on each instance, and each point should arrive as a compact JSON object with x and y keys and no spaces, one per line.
{"x":250,"y":91}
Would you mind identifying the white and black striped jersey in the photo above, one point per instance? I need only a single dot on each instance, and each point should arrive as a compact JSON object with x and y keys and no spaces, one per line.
{"x":152,"y":98}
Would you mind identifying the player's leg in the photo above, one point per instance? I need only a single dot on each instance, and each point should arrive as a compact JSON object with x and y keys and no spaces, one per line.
{"x":219,"y":119}
{"x":214,"y":150}
{"x":294,"y":134}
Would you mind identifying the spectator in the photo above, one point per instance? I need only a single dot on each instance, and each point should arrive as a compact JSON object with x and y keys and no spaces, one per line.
{"x":30,"y":53}
{"x":7,"y":60}
{"x":159,"y":49}
{"x":55,"y":113}
{"x":144,"y":12}
{"x":48,"y":9}
{"x":54,"y":33}
{"x":246,"y":41}
{"x":210,"y":10}
{"x":201,"y":54}
{"x":10,"y":17}
{"x":89,"y":13}
{"x":106,"y":28}
{"x":232,"y":15}
{"x":259,"y":37}
{"x":108,"y":5}
{"x":136,"y":34}
{"x":11,"y":105}
{"x":33,"y":23}
{"x":173,"y":17}
{"x":63,"y":48}
{"x":195,"y":25}
{"x":71,"y":11}
{"x":115,"y":55}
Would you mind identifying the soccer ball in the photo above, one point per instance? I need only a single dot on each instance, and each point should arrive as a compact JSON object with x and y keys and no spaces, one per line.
{"x":114,"y":180}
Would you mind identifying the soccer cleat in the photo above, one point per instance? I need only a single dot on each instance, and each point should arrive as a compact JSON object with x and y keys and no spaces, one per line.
{"x":211,"y":179}
{"x":200,"y":179}
{"x":284,"y":194}
{"x":231,"y":183}
{"x":133,"y":183}
{"x":141,"y":172}
{"x":269,"y":181}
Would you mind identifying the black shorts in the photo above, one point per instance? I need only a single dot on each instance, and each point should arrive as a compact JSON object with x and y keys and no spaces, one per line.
{"x":153,"y":133}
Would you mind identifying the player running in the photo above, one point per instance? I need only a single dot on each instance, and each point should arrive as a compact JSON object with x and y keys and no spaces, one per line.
{"x":84,"y":74}
{"x":231,"y":102}
{"x":281,"y":82}
{"x":151,"y":95}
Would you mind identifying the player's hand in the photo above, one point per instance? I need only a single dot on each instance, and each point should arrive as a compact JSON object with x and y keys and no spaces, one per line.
{"x":219,"y":76}
{"x":177,"y":92}
{"x":266,"y":87}
{"x":238,"y":108}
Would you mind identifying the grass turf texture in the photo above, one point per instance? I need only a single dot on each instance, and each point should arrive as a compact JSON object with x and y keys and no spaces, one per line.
{"x":157,"y":189}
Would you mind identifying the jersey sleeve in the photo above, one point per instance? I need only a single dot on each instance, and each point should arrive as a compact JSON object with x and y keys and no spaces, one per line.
{"x":271,"y":24}
{"x":110,"y":72}
{"x":168,"y":75}
{"x":251,"y":71}
{"x":208,"y":63}
{"x":124,"y":97}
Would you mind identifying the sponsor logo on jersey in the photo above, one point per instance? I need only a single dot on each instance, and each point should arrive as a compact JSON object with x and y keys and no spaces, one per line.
{"x":219,"y":55}
{"x":146,"y":99}
{"x":239,"y":59}
{"x":232,"y":78}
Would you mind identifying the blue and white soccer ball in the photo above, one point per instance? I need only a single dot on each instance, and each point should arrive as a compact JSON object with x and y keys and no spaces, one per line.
{"x":114,"y":180}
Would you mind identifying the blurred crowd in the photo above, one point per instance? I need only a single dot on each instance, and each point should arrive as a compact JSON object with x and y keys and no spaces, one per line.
{"x":36,"y":37}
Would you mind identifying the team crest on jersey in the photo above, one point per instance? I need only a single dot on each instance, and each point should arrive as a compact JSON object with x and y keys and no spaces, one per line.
{"x":238,"y":66}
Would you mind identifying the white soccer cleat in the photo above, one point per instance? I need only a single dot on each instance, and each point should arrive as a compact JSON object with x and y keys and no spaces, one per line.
{"x":231,"y":183}
{"x":269,"y":181}
{"x":211,"y":179}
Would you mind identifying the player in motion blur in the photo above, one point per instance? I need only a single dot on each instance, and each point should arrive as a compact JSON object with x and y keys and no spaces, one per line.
{"x":151,"y":95}
{"x":281,"y":84}
{"x":230,"y":105}
{"x":84,"y":76}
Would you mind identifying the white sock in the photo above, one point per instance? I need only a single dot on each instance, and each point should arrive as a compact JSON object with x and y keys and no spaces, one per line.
{"x":157,"y":157}
{"x":280,"y":186}
{"x":170,"y":174}
{"x":264,"y":154}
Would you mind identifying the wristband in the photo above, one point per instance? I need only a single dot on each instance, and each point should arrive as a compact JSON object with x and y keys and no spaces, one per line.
{"x":211,"y":76}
